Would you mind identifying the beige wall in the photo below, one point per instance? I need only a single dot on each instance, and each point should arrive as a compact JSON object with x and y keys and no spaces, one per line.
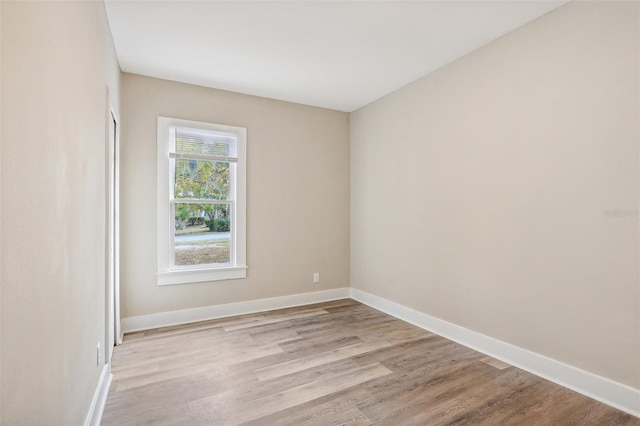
{"x":297,"y":195}
{"x":57,"y":63}
{"x":478,"y":193}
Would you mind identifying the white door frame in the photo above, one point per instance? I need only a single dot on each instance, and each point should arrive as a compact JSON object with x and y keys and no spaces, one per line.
{"x":116,"y":211}
{"x":113,"y":235}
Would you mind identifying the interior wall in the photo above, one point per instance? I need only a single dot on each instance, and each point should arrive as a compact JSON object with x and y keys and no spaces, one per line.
{"x":500,"y":193}
{"x":58,"y":62}
{"x":297,"y":195}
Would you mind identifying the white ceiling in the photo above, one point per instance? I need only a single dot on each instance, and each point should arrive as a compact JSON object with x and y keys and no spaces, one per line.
{"x":333,"y":54}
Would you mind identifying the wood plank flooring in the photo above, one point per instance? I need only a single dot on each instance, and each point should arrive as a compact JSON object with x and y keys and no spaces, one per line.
{"x":334,"y":363}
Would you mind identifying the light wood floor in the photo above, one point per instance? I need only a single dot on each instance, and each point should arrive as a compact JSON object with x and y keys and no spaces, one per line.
{"x":332,"y":363}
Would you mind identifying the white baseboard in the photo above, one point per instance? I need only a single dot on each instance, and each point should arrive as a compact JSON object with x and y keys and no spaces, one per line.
{"x":612,"y":393}
{"x":94,"y":416}
{"x":185,"y":316}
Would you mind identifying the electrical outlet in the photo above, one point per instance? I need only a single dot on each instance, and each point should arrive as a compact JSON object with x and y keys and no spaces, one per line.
{"x":316,"y":277}
{"x":98,"y":355}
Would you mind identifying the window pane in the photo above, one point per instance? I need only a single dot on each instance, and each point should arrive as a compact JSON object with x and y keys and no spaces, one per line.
{"x":202,"y":234}
{"x":203,"y":142}
{"x":202,"y":179}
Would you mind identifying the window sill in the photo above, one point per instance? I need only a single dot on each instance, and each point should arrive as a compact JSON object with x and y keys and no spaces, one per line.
{"x":189,"y":276}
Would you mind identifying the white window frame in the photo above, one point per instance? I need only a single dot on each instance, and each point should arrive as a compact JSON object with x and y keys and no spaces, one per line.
{"x":238,"y":268}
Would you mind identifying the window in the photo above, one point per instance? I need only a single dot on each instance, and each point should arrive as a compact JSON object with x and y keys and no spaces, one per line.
{"x":201,"y":202}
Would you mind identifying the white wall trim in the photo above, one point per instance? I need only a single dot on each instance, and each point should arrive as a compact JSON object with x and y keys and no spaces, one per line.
{"x":94,"y":416}
{"x":185,"y":316}
{"x":612,"y":393}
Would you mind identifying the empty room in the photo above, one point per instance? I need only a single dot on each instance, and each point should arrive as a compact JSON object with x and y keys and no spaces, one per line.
{"x":319,"y":212}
